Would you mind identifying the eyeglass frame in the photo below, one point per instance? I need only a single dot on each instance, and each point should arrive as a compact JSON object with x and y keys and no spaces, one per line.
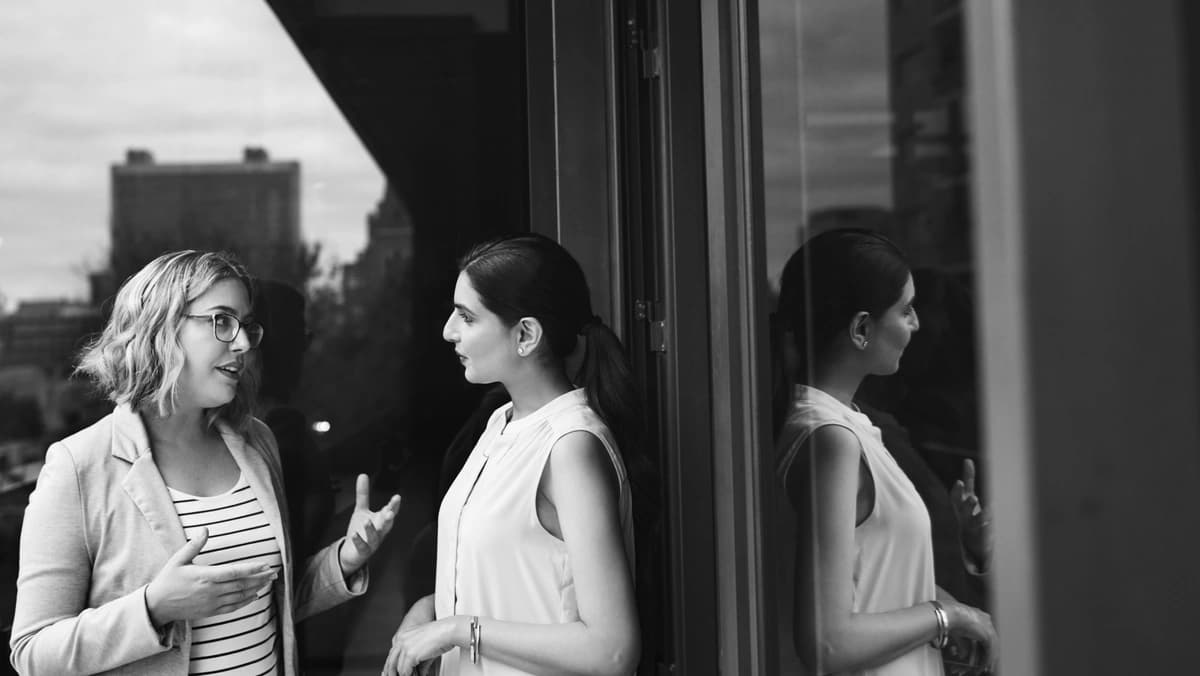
{"x":212,"y":317}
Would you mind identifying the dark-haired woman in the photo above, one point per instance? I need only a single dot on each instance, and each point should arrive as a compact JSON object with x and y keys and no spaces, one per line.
{"x":866,"y":602}
{"x":535,"y":538}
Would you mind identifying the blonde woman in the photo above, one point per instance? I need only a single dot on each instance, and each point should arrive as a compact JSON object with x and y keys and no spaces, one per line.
{"x":155,"y":541}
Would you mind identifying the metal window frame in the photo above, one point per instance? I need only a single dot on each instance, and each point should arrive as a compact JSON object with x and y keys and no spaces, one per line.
{"x":571,"y":95}
{"x":738,"y":308}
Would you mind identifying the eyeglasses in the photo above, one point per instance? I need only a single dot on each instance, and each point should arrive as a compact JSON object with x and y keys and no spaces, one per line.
{"x":226,"y":328}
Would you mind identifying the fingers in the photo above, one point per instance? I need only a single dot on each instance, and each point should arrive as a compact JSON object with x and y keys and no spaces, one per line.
{"x":992,"y":648}
{"x":985,"y":516}
{"x":969,"y":475}
{"x":969,"y":505}
{"x":238,"y":600}
{"x":392,"y":507}
{"x":233,"y":572}
{"x":367,"y":540}
{"x":362,"y":492}
{"x":186,"y":553}
{"x":252,"y":583}
{"x":392,"y":665}
{"x":384,"y":518}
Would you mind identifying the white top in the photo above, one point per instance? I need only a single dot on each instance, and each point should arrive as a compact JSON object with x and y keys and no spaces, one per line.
{"x":243,"y":642}
{"x":494,"y":558}
{"x":893,"y":557}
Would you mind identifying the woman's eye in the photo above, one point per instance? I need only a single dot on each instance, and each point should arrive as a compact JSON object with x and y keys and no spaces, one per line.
{"x":224,"y":322}
{"x":463,"y":316}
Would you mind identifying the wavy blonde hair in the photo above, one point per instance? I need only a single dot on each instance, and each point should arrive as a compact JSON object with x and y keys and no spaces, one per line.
{"x":137,"y":359}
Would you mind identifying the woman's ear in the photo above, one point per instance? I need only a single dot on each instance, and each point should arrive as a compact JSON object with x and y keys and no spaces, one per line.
{"x":529,"y":335}
{"x":861,"y":327}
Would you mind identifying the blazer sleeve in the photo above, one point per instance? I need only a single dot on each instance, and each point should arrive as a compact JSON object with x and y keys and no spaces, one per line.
{"x":320,"y":584}
{"x":54,"y":631}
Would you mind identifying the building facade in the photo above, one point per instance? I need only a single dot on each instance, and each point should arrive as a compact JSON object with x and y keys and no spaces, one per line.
{"x":250,"y":207}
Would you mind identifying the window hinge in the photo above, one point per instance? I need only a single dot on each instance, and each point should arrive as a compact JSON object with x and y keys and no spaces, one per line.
{"x":651,"y":56}
{"x":651,"y":63}
{"x":649,"y":311}
{"x":658,"y":335}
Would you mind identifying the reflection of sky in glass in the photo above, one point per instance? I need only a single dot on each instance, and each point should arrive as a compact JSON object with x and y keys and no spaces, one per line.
{"x":824,"y":62}
{"x":189,"y":80}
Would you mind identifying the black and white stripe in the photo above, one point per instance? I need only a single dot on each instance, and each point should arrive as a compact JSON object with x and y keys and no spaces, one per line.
{"x":244,"y":642}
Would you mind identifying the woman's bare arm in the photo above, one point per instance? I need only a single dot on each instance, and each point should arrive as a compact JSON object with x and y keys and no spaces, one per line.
{"x":580,"y":482}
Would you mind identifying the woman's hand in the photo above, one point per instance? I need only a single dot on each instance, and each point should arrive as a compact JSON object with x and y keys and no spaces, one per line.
{"x":964,"y":620}
{"x":185,"y":591}
{"x":974,"y":522}
{"x":367,"y":529}
{"x":414,"y":647}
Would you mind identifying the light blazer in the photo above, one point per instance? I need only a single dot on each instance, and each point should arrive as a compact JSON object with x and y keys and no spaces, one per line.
{"x":100,"y":525}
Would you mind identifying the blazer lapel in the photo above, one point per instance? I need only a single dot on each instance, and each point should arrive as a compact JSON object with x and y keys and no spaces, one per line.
{"x":258,"y":475}
{"x":143,"y":483}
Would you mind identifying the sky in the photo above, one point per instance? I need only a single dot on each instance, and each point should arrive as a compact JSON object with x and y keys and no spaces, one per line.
{"x":198,"y":80}
{"x":188,"y":80}
{"x":826,"y":113}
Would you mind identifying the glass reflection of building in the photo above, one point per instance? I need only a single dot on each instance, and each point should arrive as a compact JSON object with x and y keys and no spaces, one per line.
{"x":930,"y":168}
{"x":250,"y":207}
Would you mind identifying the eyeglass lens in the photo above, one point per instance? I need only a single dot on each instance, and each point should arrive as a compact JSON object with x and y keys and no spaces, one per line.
{"x":226,"y":329}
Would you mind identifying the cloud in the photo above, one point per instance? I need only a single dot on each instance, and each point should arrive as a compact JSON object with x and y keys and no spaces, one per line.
{"x":190,"y":80}
{"x":826,"y":113}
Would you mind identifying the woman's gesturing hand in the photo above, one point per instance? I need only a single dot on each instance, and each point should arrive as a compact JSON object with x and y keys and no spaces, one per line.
{"x":183,"y":590}
{"x":974,"y":521}
{"x":414,"y":647}
{"x":367,"y":529}
{"x":964,"y":620}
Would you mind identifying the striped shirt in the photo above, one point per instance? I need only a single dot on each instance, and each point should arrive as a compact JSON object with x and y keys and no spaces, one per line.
{"x":243,"y":642}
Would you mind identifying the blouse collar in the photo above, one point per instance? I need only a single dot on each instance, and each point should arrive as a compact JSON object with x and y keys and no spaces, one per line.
{"x":811,"y":396}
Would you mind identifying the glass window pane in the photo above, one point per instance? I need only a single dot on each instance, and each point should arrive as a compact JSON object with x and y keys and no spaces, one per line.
{"x":288,"y":135}
{"x":863,"y":127}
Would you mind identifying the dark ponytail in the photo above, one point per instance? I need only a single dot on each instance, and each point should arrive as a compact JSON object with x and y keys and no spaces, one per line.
{"x":608,"y":380}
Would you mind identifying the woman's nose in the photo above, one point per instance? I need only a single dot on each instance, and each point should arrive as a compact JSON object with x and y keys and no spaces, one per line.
{"x":449,"y":334}
{"x":241,"y":343}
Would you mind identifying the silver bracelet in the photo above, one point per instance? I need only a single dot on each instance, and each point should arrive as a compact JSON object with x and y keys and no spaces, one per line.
{"x":475,"y":635}
{"x":943,"y":625}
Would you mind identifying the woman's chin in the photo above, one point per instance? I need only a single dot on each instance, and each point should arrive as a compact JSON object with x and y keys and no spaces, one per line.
{"x":887,"y":369}
{"x":217,"y":400}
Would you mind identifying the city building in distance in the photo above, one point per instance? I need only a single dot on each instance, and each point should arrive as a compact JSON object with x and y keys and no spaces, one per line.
{"x":251,"y":208}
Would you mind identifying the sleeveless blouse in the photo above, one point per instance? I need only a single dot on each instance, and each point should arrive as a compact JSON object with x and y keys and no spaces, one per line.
{"x":494,"y":557}
{"x":893,"y":547}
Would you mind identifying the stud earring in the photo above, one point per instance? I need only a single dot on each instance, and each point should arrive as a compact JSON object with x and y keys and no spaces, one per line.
{"x":521,"y":351}
{"x":864,"y":345}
